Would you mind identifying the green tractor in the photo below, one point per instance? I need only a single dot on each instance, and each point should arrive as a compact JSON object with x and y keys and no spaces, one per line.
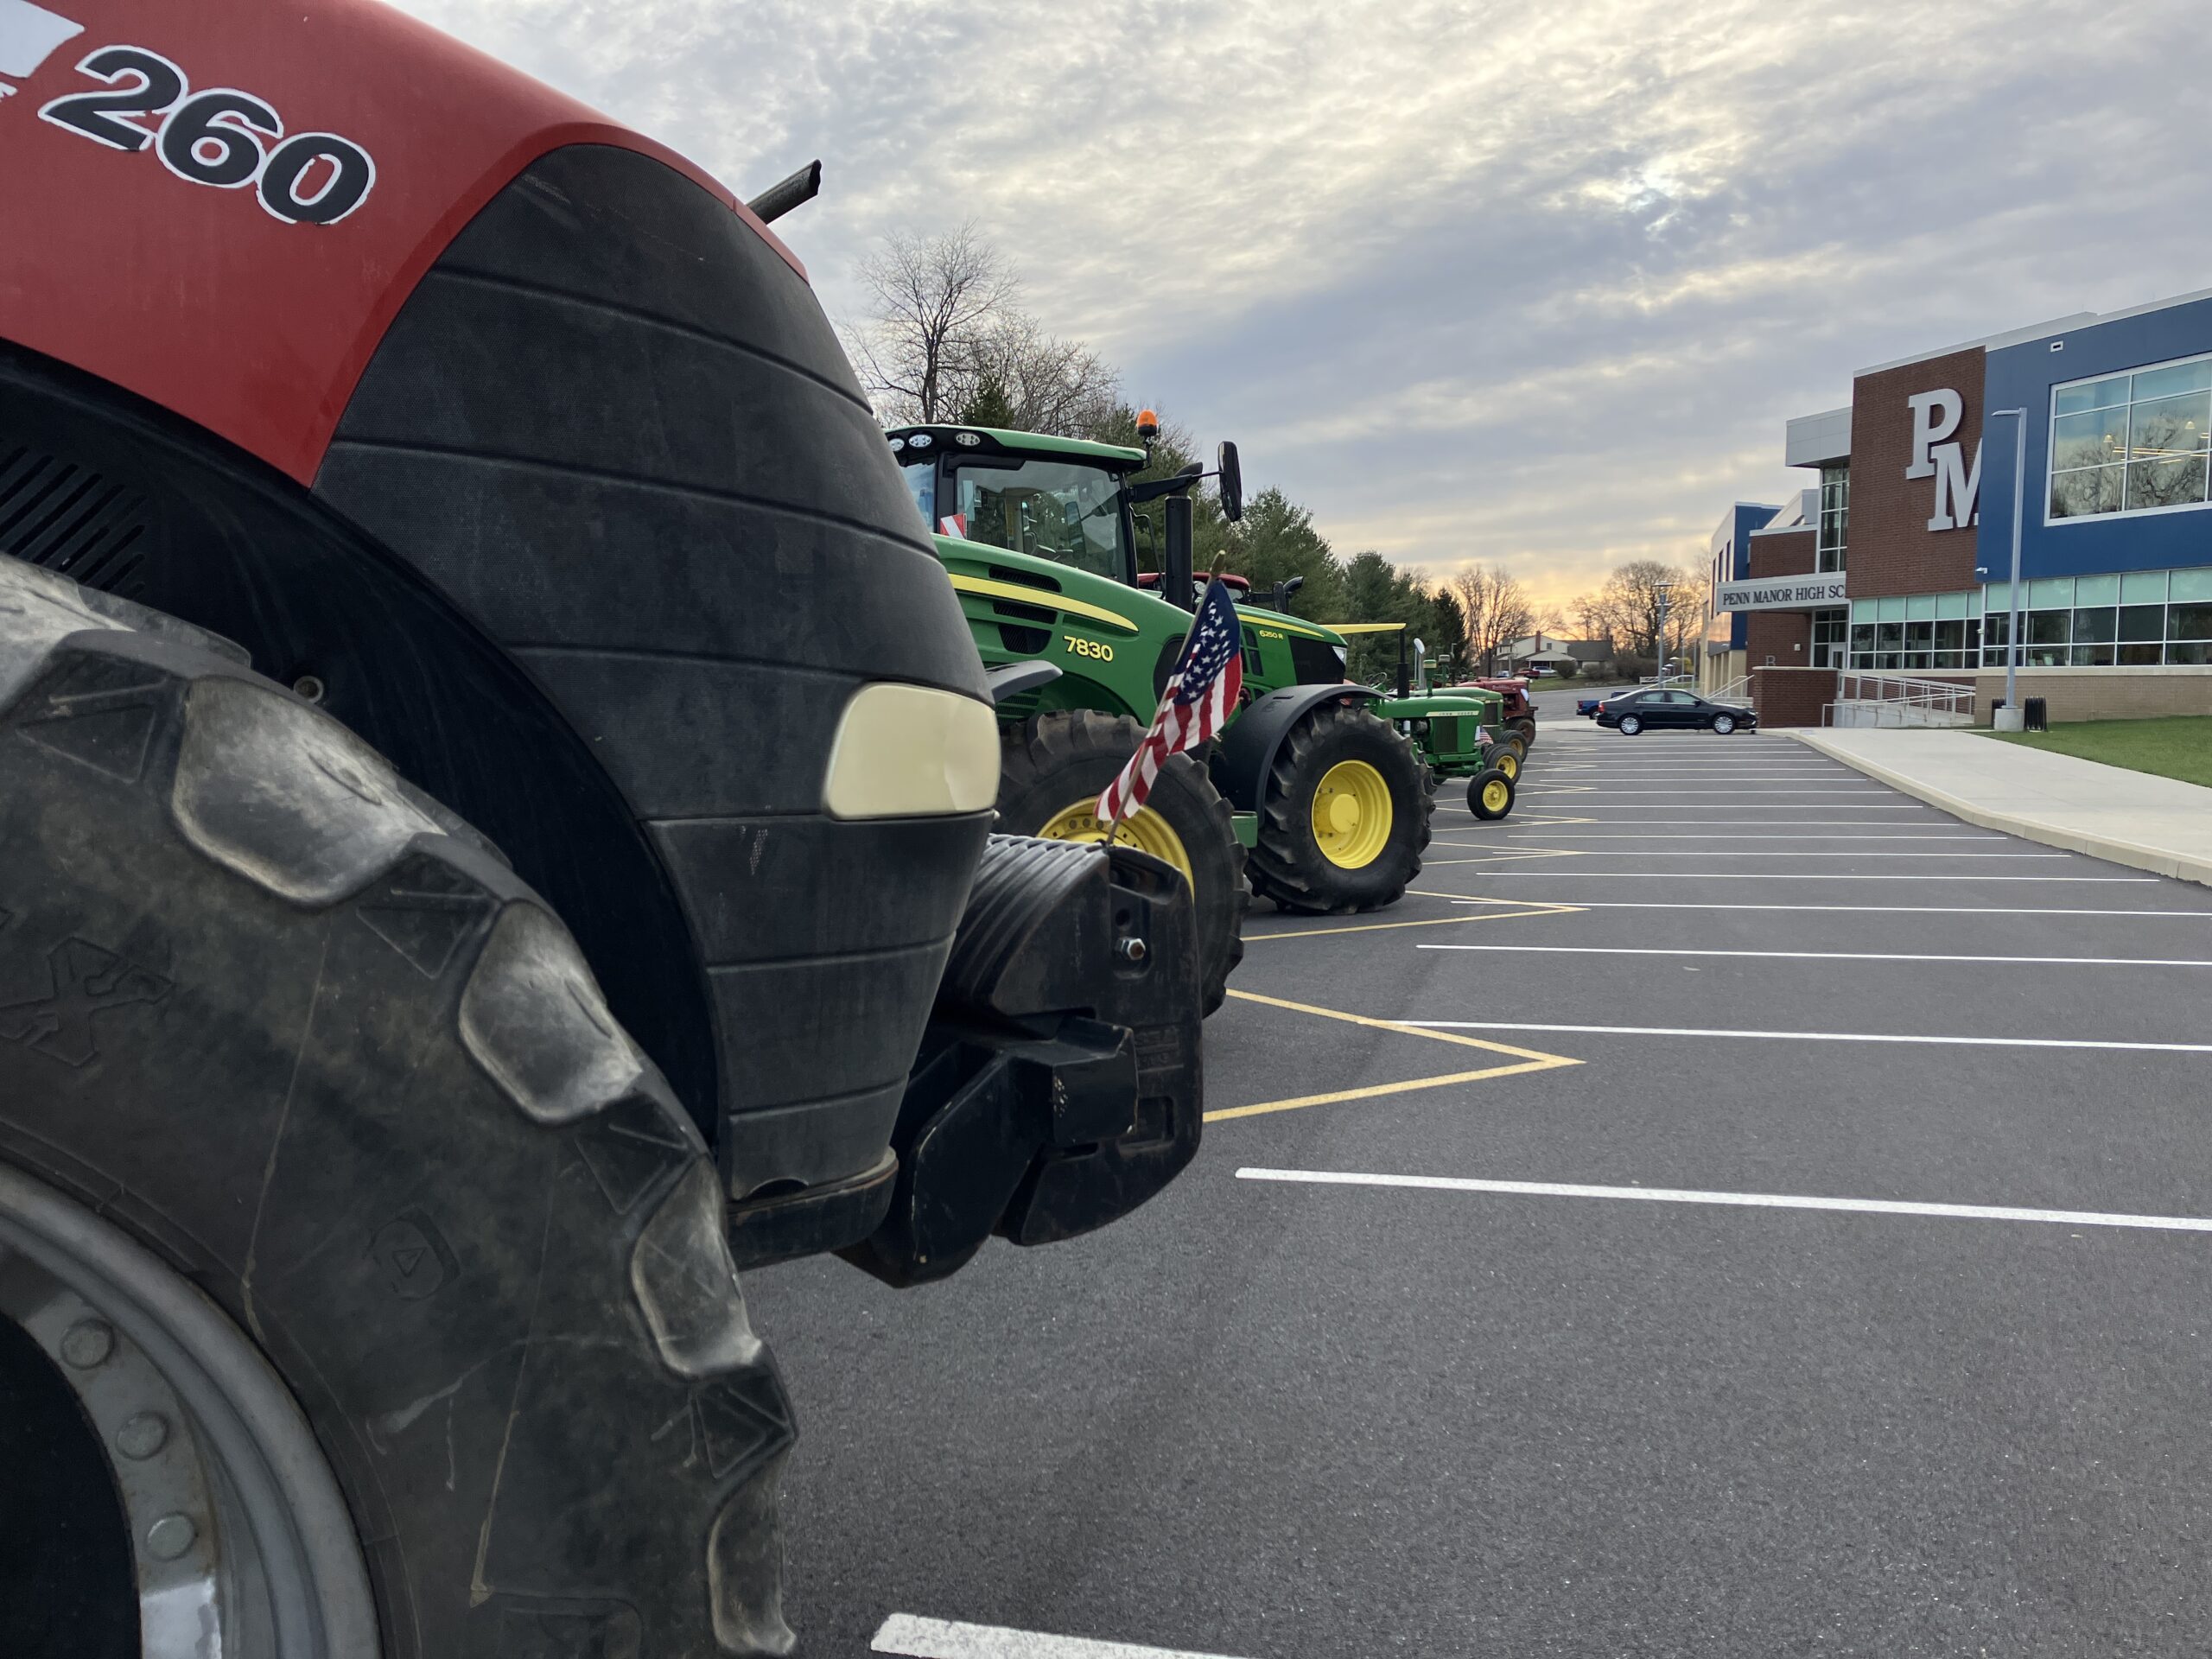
{"x":1320,"y":793}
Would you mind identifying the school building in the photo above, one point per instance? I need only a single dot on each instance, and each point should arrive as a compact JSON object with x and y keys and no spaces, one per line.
{"x":1895,"y":565}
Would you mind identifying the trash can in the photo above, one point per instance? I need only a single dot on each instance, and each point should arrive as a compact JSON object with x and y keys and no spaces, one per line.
{"x":2035,"y":716}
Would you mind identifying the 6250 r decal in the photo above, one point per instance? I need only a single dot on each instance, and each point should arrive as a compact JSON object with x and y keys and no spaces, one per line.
{"x":221,"y":138}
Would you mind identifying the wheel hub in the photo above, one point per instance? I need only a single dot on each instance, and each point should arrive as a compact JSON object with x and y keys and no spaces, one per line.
{"x":242,"y":1544}
{"x":1146,"y":830}
{"x":1351,"y":815}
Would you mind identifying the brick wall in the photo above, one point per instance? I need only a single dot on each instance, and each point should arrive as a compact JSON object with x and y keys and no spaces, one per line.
{"x":1784,"y":636}
{"x":1891,"y":550}
{"x":2100,"y":693}
{"x":1791,"y":696}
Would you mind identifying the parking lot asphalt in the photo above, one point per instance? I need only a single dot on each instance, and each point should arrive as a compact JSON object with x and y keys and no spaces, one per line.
{"x":1726,"y":1208}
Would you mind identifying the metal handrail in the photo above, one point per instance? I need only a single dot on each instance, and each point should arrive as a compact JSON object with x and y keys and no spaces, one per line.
{"x":1901,"y":691}
{"x":1739,"y":686}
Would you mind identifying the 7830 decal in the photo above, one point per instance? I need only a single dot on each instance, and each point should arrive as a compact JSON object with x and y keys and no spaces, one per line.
{"x":221,"y":138}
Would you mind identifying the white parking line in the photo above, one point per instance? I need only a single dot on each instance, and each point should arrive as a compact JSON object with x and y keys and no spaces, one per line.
{"x":945,"y":1638}
{"x":1824,"y":956}
{"x":1579,"y":834}
{"x":1767,"y":823}
{"x":1745,"y":1200}
{"x":1580,"y":874}
{"x":1797,"y":853}
{"x":1864,"y":909}
{"x":1815,"y":1036}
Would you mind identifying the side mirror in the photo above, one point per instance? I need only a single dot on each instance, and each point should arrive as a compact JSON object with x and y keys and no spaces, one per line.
{"x":1232,"y":481}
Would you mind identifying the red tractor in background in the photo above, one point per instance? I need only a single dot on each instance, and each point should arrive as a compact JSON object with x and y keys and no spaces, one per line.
{"x":495,"y":836}
{"x":1520,"y":712}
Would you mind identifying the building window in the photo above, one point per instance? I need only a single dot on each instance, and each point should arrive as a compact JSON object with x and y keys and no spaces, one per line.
{"x":2141,"y":619}
{"x":1831,"y":632}
{"x":1831,"y":539}
{"x":2134,"y":443}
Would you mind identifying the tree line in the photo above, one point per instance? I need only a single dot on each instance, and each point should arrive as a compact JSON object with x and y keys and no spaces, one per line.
{"x":945,"y":339}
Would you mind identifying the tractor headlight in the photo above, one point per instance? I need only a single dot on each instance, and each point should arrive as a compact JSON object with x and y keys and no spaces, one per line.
{"x":1343,"y":655}
{"x":912,"y":750}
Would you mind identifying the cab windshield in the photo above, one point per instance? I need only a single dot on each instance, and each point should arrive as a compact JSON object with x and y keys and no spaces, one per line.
{"x":1058,"y":510}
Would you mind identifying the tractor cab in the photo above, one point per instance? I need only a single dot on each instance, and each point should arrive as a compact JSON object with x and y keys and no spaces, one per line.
{"x":1064,"y":500}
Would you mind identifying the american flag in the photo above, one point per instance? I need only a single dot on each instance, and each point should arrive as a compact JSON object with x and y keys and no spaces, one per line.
{"x":1200,"y":694}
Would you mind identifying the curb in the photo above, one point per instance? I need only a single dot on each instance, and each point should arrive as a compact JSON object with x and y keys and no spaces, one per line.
{"x":2160,"y":861}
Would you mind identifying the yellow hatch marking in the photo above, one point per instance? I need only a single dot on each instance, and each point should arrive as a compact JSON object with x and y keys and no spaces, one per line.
{"x":1043,"y":598}
{"x":1525,"y":1060}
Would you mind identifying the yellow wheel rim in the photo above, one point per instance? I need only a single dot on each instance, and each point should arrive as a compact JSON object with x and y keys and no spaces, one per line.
{"x":1351,"y":815}
{"x":1147,"y":832}
{"x":1494,"y":796}
{"x":1509,"y":764}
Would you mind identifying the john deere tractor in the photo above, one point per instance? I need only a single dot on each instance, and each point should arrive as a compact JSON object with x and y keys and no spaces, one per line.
{"x":1328,"y":783}
{"x":495,"y":836}
{"x":1313,"y":794}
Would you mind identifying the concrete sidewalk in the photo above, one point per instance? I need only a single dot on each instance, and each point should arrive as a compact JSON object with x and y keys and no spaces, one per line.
{"x":2129,"y":818}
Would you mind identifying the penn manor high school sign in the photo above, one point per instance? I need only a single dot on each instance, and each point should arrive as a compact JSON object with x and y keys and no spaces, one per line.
{"x":1780,"y":592}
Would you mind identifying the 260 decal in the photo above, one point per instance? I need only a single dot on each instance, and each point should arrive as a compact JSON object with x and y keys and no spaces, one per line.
{"x":221,"y":138}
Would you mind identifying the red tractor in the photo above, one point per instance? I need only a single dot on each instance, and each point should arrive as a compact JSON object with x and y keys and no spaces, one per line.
{"x":1520,"y":712}
{"x":495,"y":836}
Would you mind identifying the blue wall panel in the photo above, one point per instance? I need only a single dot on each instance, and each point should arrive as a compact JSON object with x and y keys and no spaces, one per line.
{"x":2022,"y":375}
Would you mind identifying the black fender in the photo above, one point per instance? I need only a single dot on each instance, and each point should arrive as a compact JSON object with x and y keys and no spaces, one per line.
{"x":122,"y":496}
{"x":1247,"y":749}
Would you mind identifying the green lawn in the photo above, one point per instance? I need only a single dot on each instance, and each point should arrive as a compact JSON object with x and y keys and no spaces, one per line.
{"x":2177,"y":746}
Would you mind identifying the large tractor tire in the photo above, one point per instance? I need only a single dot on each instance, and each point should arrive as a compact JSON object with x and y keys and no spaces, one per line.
{"x":1054,"y":768}
{"x":1346,"y":815}
{"x":384,"y":1274}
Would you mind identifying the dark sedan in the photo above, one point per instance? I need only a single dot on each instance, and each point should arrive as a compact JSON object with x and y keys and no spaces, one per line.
{"x":1660,"y":711}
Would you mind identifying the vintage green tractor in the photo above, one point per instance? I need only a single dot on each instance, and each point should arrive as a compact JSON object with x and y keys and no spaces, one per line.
{"x":1312,"y":798}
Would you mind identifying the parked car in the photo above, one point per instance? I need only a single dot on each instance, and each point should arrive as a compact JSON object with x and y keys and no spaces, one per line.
{"x":1586,"y":707}
{"x":1666,"y":710}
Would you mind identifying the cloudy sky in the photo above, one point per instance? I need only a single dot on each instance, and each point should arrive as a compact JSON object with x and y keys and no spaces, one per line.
{"x":1532,"y":284}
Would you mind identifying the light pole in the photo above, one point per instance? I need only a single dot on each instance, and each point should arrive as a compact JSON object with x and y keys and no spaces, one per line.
{"x":2020,"y":509}
{"x":1659,"y":645}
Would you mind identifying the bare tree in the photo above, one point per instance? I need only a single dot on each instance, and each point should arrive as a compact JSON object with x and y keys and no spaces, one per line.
{"x":1632,"y":599}
{"x":936,"y":300}
{"x":1057,"y":386}
{"x":1497,"y":610}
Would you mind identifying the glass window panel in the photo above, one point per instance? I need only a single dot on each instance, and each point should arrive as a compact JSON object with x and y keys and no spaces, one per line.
{"x":1953,"y":604}
{"x":2142,"y":587}
{"x":2096,"y":395}
{"x":2044,"y":657}
{"x":2142,"y":622}
{"x":1998,"y":596}
{"x":2093,"y":656}
{"x":2152,"y":484}
{"x":2191,"y":585}
{"x":2194,"y":654}
{"x":1892,"y":609}
{"x":1947,"y":659}
{"x":1888,"y":659}
{"x":2049,"y":627}
{"x":1949,"y":636}
{"x":1916,"y":659}
{"x":1996,"y":628}
{"x":1889,"y":636}
{"x":2171,"y":427}
{"x":1862,"y":636}
{"x":2050,"y":593}
{"x":2181,"y":377}
{"x":2095,"y":627}
{"x":1973,"y":633}
{"x":2078,"y":495}
{"x":1920,"y":605}
{"x":2096,"y":590}
{"x":2189,"y":622}
{"x":2088,"y":440}
{"x":2139,"y":656}
{"x":1918,"y":636}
